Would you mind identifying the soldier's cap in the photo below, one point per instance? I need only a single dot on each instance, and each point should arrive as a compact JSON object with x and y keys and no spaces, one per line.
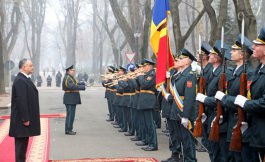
{"x":69,"y":67}
{"x":217,"y":50}
{"x":148,"y":62}
{"x":261,"y":37}
{"x":136,"y":65}
{"x":206,"y":48}
{"x":111,"y":69}
{"x":186,"y":53}
{"x":122,"y":68}
{"x":247,"y":43}
{"x":142,"y":63}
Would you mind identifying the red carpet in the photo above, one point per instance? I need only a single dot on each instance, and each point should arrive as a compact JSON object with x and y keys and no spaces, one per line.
{"x":41,"y":115}
{"x":129,"y":159}
{"x":38,"y":148}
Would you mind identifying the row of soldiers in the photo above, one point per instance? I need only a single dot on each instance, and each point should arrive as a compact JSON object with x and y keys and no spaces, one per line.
{"x":229,"y":106}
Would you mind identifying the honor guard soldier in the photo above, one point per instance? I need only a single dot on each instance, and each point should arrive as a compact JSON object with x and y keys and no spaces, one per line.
{"x":58,"y":79}
{"x":247,"y":154}
{"x":183,"y":92}
{"x":49,"y":81}
{"x":39,"y":81}
{"x":206,"y":71}
{"x":256,"y":105}
{"x":147,"y":104}
{"x":71,"y":98}
{"x":174,"y":142}
{"x":219,"y":150}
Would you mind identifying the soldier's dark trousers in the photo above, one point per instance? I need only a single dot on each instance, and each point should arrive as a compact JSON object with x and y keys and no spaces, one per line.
{"x":220,"y":149}
{"x":141,"y":125}
{"x":21,"y":145}
{"x":247,"y":154}
{"x":157,"y":118}
{"x":206,"y":143}
{"x":124,"y":118}
{"x":133,"y":121}
{"x":111,"y":113}
{"x":187,"y":142}
{"x":137,"y":123}
{"x":70,"y":117}
{"x":150,"y":128}
{"x":174,"y":142}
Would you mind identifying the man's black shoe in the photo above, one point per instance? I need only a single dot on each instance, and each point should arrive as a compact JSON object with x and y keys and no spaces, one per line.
{"x":135,"y":139}
{"x":114,"y":123}
{"x":149,"y":148}
{"x":200,"y":149}
{"x":128,"y":134}
{"x":141,"y":143}
{"x":109,"y":120}
{"x":116,"y":126}
{"x":121,"y":130}
{"x":70,"y":133}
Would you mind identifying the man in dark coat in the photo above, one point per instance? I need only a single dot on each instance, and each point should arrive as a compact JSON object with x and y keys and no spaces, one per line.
{"x":71,"y":98}
{"x":25,"y":115}
{"x":58,"y":79}
{"x":39,"y":81}
{"x":49,"y":81}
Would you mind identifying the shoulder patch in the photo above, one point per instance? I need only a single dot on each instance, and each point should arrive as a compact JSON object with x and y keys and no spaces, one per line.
{"x":189,"y":84}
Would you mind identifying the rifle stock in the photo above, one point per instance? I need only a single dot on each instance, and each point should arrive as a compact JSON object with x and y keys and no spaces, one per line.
{"x":198,"y":126}
{"x":214,"y":133}
{"x":236,"y":139}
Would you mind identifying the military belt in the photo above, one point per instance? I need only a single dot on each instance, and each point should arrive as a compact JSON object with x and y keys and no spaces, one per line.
{"x":147,"y":91}
{"x":136,"y":91}
{"x":119,"y":94}
{"x":128,"y":94}
{"x":68,"y":91}
{"x":113,"y":90}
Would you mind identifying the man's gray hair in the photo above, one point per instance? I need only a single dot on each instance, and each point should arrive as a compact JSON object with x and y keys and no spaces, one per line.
{"x":22,"y":63}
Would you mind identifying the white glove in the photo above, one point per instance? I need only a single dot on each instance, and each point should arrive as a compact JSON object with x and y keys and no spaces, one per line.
{"x":219,"y":95}
{"x":159,"y":89}
{"x":240,"y":100}
{"x":204,"y":117}
{"x":184,"y":122}
{"x":200,"y":97}
{"x":244,"y":127}
{"x":167,"y":74}
{"x":166,"y":96}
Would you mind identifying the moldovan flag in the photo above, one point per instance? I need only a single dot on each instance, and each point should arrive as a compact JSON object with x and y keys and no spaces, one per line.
{"x":160,"y":41}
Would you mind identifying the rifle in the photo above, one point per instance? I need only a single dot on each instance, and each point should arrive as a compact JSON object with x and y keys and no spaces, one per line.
{"x":214,"y":133}
{"x":198,"y":126}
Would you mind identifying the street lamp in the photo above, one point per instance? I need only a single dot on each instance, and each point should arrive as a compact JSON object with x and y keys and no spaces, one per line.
{"x":137,"y":35}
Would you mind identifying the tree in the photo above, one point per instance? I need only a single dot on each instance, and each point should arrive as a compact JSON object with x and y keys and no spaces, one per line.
{"x":35,"y":10}
{"x":2,"y":80}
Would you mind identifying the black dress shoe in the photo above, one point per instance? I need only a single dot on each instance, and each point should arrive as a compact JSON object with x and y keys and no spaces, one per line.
{"x":141,"y":143}
{"x":128,"y":134}
{"x":122,"y":130}
{"x":149,"y":148}
{"x":116,"y":126}
{"x":135,"y":139}
{"x":70,"y":133}
{"x":109,"y":120}
{"x":114,"y":123}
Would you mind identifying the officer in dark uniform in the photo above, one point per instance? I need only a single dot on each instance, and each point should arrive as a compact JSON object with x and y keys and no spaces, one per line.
{"x":219,"y":150}
{"x":71,"y":97}
{"x":247,"y":154}
{"x":39,"y":81}
{"x":147,"y":104}
{"x":174,"y":142}
{"x":49,"y":81}
{"x":85,"y":77}
{"x":105,"y":83}
{"x":183,"y":104}
{"x":58,"y":79}
{"x":256,"y":106}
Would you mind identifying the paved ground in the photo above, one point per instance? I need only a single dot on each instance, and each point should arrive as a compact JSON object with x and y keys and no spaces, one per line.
{"x":95,"y":137}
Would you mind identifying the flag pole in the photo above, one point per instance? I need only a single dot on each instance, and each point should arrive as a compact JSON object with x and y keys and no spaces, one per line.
{"x":167,"y":50}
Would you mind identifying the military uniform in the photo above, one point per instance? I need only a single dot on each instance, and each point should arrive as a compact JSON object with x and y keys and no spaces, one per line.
{"x":71,"y":99}
{"x":49,"y":81}
{"x":146,"y":105}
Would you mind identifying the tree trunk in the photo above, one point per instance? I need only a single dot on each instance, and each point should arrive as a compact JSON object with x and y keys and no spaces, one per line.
{"x":2,"y":80}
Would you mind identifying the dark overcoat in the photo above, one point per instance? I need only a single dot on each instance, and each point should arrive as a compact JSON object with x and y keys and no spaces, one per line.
{"x":24,"y":107}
